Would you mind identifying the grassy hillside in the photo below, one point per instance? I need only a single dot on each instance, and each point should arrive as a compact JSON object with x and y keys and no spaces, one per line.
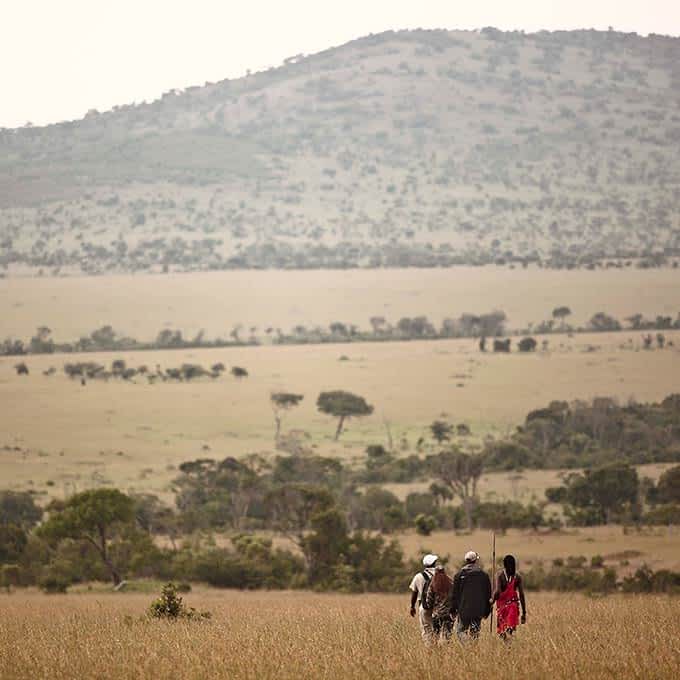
{"x":417,"y":148}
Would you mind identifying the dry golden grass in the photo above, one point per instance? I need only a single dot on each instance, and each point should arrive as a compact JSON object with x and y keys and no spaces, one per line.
{"x":300,"y":635}
{"x":140,"y":305}
{"x":659,"y":548}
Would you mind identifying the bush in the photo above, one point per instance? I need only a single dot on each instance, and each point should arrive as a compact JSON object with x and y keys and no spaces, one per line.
{"x":527,"y":345}
{"x":53,"y":583}
{"x":565,"y":578}
{"x":171,"y":606}
{"x":10,"y":575}
{"x":502,"y":516}
{"x":663,"y":515}
{"x":647,"y":581}
{"x":597,"y":562}
{"x":425,"y":524}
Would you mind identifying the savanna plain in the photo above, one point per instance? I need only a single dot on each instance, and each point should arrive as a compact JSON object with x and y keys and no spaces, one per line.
{"x":60,"y":436}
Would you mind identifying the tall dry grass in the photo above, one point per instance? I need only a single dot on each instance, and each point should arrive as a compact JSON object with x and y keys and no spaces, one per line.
{"x":300,"y":635}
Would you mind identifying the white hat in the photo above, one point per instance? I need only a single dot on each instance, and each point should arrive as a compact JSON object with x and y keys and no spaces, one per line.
{"x":429,"y":560}
{"x":471,"y":556}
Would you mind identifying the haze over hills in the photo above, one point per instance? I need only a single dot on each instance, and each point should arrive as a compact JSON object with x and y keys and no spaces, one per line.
{"x":416,"y":148}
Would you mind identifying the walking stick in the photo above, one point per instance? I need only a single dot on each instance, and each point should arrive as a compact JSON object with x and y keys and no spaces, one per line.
{"x":493,"y":571}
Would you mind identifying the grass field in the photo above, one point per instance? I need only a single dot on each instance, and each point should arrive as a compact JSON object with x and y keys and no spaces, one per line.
{"x":140,"y":306}
{"x":134,"y":435}
{"x":623,"y":550}
{"x":300,"y":635}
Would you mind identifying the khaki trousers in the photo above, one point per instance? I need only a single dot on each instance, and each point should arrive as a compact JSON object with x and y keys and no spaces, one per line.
{"x":426,"y":629}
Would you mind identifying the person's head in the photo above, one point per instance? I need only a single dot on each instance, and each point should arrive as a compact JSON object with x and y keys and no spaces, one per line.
{"x":510,"y":565}
{"x":430,"y":560}
{"x":471,"y":557}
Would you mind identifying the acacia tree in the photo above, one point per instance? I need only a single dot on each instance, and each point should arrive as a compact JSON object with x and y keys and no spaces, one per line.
{"x":441,"y":431}
{"x":282,"y":402}
{"x":342,"y":405}
{"x":93,"y":516}
{"x":561,"y":313}
{"x":460,"y":472}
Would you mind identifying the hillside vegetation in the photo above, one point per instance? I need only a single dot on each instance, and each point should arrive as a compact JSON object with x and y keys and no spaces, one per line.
{"x":416,"y":148}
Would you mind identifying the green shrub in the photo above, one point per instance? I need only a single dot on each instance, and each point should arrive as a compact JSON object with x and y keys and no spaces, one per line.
{"x":171,"y":606}
{"x":597,"y":562}
{"x":663,"y":515}
{"x":425,"y":524}
{"x":53,"y":583}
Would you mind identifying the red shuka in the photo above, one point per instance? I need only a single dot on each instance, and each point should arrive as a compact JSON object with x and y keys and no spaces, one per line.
{"x":507,"y":607}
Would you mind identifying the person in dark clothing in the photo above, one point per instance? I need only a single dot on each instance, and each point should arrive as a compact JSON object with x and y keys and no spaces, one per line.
{"x":470,"y":597}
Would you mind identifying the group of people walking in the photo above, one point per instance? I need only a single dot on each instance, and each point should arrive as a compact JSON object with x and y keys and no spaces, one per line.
{"x":439,"y":601}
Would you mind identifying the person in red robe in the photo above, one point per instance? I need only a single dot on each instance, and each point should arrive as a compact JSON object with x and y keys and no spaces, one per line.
{"x":509,"y":597}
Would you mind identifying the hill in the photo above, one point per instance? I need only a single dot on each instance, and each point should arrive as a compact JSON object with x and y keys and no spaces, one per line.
{"x":414,"y":148}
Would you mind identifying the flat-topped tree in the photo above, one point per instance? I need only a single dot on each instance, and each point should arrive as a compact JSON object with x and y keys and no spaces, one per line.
{"x":281,"y":402}
{"x":560,"y":314}
{"x":342,"y":405}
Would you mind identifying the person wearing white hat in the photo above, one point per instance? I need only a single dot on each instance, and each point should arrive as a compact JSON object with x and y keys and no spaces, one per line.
{"x":470,"y":597}
{"x":418,"y":588}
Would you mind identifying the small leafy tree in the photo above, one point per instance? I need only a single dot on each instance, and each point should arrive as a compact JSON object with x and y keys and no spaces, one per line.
{"x":342,"y":405}
{"x":597,"y":494}
{"x":239,"y":372}
{"x":425,"y":524}
{"x":93,"y":516}
{"x":460,"y":472}
{"x":441,"y":431}
{"x":293,"y":507}
{"x":13,"y":540}
{"x":560,"y":314}
{"x":668,"y":487}
{"x":527,"y":344}
{"x":282,"y":402}
{"x":19,"y":507}
{"x":602,"y":322}
{"x":171,"y":606}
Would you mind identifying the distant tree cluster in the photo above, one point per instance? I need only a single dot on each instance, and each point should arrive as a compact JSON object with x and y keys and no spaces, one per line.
{"x":489,"y":328}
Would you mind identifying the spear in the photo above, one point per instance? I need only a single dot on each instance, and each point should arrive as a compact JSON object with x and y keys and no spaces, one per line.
{"x":493,"y":569}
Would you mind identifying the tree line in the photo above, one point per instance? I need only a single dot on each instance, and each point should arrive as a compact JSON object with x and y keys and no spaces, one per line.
{"x":337,"y":519}
{"x":482,"y":326}
{"x":105,"y":534}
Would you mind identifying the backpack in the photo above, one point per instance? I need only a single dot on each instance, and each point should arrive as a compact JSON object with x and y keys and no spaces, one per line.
{"x":423,"y":596}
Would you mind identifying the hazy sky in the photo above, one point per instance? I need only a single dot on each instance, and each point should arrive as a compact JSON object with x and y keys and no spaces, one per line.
{"x":59,"y":58}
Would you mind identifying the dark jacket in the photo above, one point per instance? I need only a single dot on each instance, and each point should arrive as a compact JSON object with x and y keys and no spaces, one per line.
{"x":470,"y":593}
